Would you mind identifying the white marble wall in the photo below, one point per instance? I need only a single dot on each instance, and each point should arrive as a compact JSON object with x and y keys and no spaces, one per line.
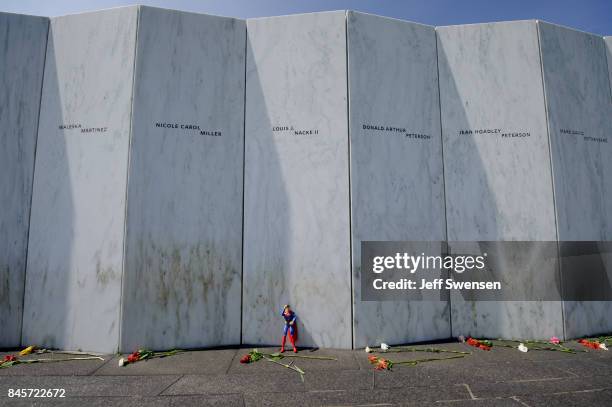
{"x":296,"y":230}
{"x":75,"y":259}
{"x":579,"y":107}
{"x":184,"y":219}
{"x":397,"y":190}
{"x":608,"y":41}
{"x":22,"y":59}
{"x":497,"y":188}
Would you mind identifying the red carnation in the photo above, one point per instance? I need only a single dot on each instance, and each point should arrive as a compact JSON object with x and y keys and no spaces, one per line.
{"x":246,"y":358}
{"x":10,"y":358}
{"x":133,"y":357}
{"x":383,"y":364}
{"x":477,"y":344}
{"x":589,"y":344}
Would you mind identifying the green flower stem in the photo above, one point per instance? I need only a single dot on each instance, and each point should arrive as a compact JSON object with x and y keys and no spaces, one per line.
{"x":289,"y":366}
{"x":432,"y":350}
{"x":60,"y":359}
{"x":164,"y":354}
{"x":281,"y":356}
{"x":417,"y":361}
{"x":548,"y":347}
{"x":30,"y":361}
{"x":65,"y":352}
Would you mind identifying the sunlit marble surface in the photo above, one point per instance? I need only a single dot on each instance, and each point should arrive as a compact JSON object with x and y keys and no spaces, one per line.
{"x":75,"y":259}
{"x":296,"y":230}
{"x":22,"y":59}
{"x":497,"y":188}
{"x":397,"y":190}
{"x":184,"y":219}
{"x":579,"y":107}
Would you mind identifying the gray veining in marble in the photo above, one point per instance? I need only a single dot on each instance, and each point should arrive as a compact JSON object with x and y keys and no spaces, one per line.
{"x":397,"y":191}
{"x":497,"y":188}
{"x":75,"y":259}
{"x":579,"y":107}
{"x":296,"y":228}
{"x":184,"y":219}
{"x":22,"y":58}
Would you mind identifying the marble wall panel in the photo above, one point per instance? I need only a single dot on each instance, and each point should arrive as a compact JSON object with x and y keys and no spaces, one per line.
{"x":296,"y":230}
{"x":75,"y":259}
{"x":579,"y":108}
{"x":497,"y":164}
{"x":182,"y":282}
{"x":397,"y":190}
{"x":608,"y":41}
{"x":22,"y":59}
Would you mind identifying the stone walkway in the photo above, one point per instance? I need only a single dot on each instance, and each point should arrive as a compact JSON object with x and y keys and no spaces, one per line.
{"x":501,"y":377}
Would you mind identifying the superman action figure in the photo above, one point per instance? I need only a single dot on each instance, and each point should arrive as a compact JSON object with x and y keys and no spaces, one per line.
{"x":290,"y":327}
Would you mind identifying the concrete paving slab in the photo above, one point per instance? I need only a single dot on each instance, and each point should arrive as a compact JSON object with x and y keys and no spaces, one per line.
{"x":532,"y":387}
{"x":75,"y":386}
{"x":583,"y":398}
{"x":288,"y":382}
{"x":72,"y":368}
{"x":507,"y":402}
{"x":343,"y":397}
{"x":500,"y":377}
{"x":443,"y":374}
{"x":344,"y":380}
{"x":585,"y":367}
{"x":197,"y":362}
{"x":170,"y":401}
{"x":345,"y":361}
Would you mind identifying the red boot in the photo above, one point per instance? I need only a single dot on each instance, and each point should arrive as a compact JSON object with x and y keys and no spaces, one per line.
{"x":282,"y":349}
{"x":292,"y":340}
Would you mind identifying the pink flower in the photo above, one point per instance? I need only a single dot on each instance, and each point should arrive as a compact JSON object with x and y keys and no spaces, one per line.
{"x":555,"y":340}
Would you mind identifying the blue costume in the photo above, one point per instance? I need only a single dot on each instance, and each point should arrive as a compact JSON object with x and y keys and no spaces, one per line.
{"x":290,"y":328}
{"x":289,"y":318}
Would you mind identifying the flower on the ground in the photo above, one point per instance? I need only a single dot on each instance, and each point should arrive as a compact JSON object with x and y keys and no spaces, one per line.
{"x":134,"y":357}
{"x":10,"y":358}
{"x":367,"y":349}
{"x":372,"y":359}
{"x":461,"y":338}
{"x":555,"y":340}
{"x":144,"y":354}
{"x":384,"y":346}
{"x":246,"y":358}
{"x":522,"y":347}
{"x":603,"y":346}
{"x":483,"y":345}
{"x":383,"y":364}
{"x":27,"y":350}
{"x":589,"y":344}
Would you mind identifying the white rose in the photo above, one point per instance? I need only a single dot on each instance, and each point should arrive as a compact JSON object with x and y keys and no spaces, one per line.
{"x":367,"y":349}
{"x":522,"y":348}
{"x":384,"y":346}
{"x":603,"y":346}
{"x":121,"y":362}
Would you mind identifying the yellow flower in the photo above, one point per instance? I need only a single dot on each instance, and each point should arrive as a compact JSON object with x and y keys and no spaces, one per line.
{"x":27,"y":350}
